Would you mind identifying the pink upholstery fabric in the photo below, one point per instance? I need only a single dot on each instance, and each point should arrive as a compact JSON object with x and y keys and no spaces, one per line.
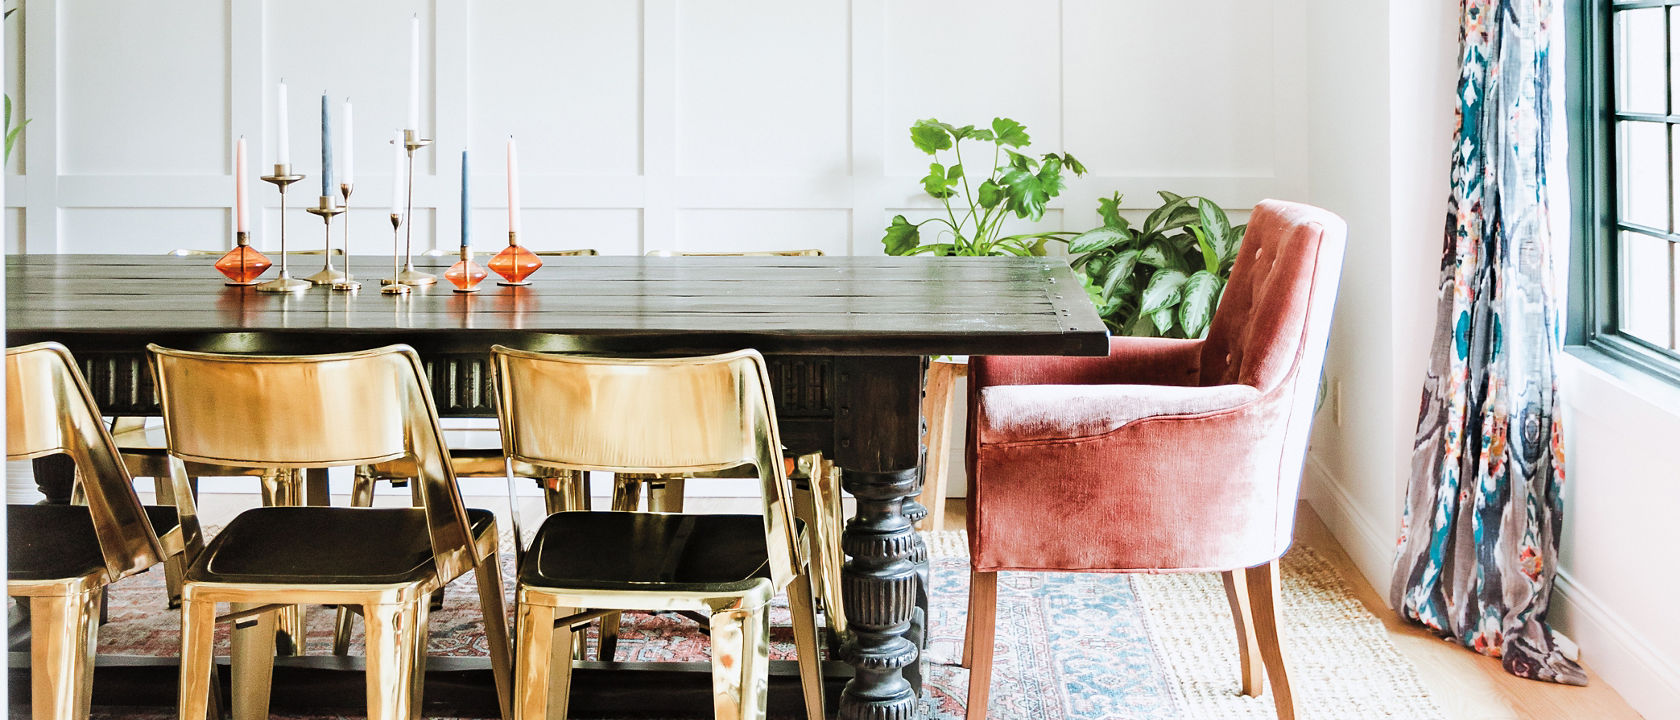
{"x":1095,"y":473}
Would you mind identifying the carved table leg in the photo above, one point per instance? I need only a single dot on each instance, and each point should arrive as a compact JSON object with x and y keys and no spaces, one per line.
{"x":878,"y":444}
{"x":55,"y":475}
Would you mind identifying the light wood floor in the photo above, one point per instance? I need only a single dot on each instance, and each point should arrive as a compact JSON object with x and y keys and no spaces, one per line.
{"x":1465,"y":685}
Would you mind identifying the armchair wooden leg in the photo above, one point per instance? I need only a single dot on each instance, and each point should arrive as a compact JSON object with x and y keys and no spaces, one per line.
{"x":802,"y":603}
{"x":1236,"y":592}
{"x":982,"y":635}
{"x":1263,"y":589}
{"x":63,"y":635}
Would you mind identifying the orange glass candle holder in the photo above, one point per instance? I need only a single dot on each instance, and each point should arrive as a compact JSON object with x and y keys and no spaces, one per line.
{"x":243,"y":264}
{"x":515,"y":263}
{"x":465,"y":274}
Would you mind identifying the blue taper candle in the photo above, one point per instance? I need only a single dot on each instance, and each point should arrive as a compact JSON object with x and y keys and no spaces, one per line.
{"x":327,"y":189}
{"x":466,"y":207}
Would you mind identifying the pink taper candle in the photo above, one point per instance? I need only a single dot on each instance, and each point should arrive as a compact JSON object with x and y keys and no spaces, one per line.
{"x":241,"y":202}
{"x":513,"y":186}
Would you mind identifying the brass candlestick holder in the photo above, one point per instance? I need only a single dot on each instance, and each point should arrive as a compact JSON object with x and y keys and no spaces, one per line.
{"x":409,"y":276}
{"x":281,"y":178}
{"x":327,"y":210}
{"x":391,"y":284}
{"x":348,"y":282}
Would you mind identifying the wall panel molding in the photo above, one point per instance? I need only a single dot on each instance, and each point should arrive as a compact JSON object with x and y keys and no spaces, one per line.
{"x":633,"y":187}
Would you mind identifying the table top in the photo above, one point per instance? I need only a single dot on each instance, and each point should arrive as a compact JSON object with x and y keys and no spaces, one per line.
{"x":792,"y":305}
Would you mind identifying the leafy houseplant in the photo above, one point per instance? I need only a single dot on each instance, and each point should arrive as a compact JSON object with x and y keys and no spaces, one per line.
{"x":11,"y":132}
{"x":1015,"y":184}
{"x":1164,"y":278}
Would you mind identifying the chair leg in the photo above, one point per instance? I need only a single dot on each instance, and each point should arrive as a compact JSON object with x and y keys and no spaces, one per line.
{"x":198,"y":661}
{"x":253,"y":662}
{"x":811,"y":497}
{"x":802,"y":603}
{"x":64,"y":632}
{"x":936,"y":409}
{"x":666,"y":494}
{"x":1263,"y":598}
{"x":608,"y":649}
{"x":393,"y":637}
{"x":417,"y":675}
{"x":627,"y":492}
{"x":982,"y":635}
{"x":1253,"y":673}
{"x":829,"y":502}
{"x":580,"y":490}
{"x":284,"y":488}
{"x":740,"y":663}
{"x":541,"y":686}
{"x":489,"y":577}
{"x":361,"y":495}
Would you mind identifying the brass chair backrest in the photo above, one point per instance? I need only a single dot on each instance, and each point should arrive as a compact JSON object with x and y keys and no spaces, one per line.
{"x":648,"y":415}
{"x":813,"y":252}
{"x":313,"y":411}
{"x":49,"y":410}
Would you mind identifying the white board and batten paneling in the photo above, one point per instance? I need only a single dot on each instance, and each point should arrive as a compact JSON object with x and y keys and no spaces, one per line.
{"x":685,"y":124}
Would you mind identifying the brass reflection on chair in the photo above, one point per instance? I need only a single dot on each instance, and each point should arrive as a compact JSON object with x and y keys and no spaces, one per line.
{"x":63,"y":556}
{"x":660,"y":416}
{"x":292,"y":413}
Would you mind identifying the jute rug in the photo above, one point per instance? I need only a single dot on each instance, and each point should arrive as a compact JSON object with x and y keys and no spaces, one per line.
{"x":1069,"y":646}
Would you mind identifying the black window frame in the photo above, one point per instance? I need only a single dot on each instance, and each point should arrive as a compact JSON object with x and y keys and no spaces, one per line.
{"x":1594,"y":286}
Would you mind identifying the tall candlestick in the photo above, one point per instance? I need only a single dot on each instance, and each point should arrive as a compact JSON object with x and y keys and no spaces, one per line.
{"x":283,"y":143}
{"x":466,"y":205}
{"x":414,"y":72}
{"x":513,"y":186}
{"x":241,"y":201}
{"x":347,"y":149}
{"x":397,"y":174}
{"x":327,"y":188}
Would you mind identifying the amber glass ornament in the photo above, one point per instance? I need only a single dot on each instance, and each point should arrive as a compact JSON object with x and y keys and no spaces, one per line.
{"x":465,"y":275}
{"x":515,"y":263}
{"x":243,"y":264}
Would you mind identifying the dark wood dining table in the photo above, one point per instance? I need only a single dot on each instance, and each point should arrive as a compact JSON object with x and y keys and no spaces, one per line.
{"x":846,"y":338}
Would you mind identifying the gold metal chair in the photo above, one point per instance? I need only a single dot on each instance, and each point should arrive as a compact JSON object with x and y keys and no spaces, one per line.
{"x":61,"y":557}
{"x":816,"y":493}
{"x":355,"y":408}
{"x":936,"y":410}
{"x":662,"y":416}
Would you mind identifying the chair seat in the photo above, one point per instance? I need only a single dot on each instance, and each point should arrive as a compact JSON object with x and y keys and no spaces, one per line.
{"x":50,"y":542}
{"x":324,"y":546}
{"x":633,"y":550}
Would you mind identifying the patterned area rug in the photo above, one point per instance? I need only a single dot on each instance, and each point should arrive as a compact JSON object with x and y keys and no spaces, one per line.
{"x":1069,"y":646}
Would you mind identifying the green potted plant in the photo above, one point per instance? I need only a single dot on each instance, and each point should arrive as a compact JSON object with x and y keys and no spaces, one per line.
{"x":1014,"y":184}
{"x":1164,"y":277}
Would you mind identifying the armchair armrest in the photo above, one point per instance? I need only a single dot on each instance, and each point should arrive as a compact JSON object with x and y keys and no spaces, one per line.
{"x":1130,"y":360}
{"x":1024,"y":413}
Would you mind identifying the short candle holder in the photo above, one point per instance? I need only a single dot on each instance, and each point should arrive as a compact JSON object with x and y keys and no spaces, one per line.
{"x":281,"y":178}
{"x":514,"y":263}
{"x":243,"y":264}
{"x":409,"y":276}
{"x":326,"y":210}
{"x":392,"y":285}
{"x":348,"y":282}
{"x":465,"y":274}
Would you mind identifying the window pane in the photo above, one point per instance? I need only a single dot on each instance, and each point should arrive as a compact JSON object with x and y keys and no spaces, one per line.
{"x":1644,"y":300}
{"x":1639,"y":61}
{"x":1642,"y":173}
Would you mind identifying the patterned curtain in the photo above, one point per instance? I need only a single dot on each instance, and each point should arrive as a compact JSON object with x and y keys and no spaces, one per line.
{"x":1479,"y":539}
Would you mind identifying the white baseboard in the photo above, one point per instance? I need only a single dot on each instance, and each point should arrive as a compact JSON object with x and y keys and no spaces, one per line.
{"x":1371,"y":548}
{"x":1616,"y":651}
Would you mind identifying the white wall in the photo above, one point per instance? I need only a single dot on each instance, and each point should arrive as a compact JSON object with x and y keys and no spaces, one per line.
{"x":1383,"y":80}
{"x":685,"y":124}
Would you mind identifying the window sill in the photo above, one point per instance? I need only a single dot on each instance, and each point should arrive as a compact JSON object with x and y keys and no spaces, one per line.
{"x":1599,"y":380}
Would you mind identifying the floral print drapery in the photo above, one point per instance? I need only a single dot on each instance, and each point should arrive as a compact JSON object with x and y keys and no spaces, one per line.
{"x":1479,"y":539}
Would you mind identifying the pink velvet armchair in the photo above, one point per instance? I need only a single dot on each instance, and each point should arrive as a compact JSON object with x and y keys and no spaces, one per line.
{"x":1165,"y":456}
